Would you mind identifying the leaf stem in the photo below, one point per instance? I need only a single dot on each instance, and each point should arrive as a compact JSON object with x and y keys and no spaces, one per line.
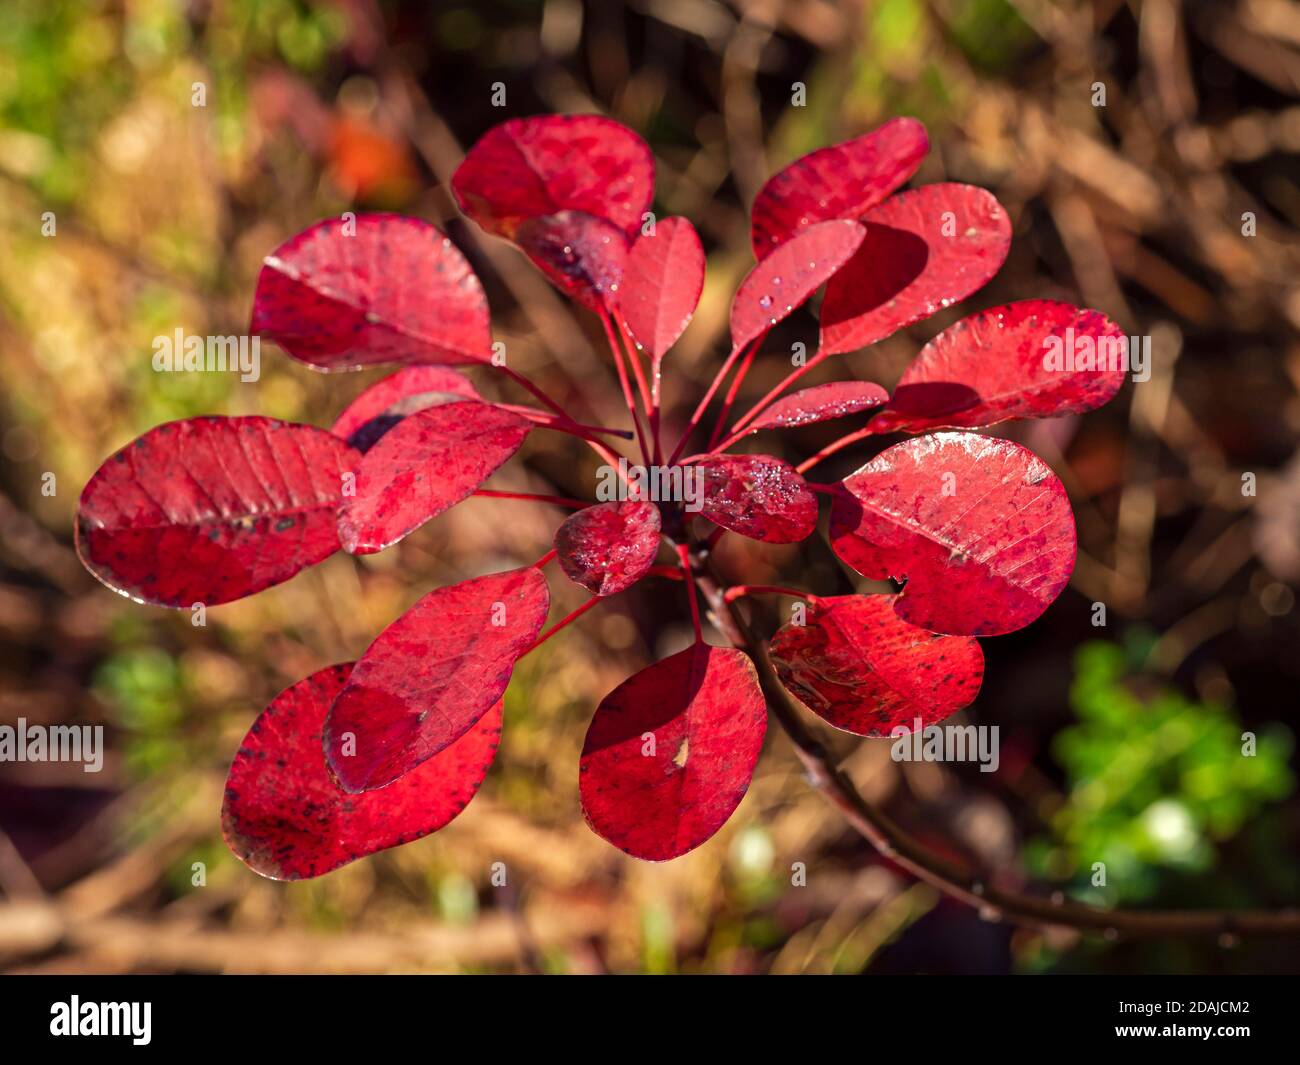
{"x":533,"y":389}
{"x":684,"y":555}
{"x":637,"y":370}
{"x":730,"y":397}
{"x":601,"y":449}
{"x":653,"y":398}
{"x":559,"y":501}
{"x":563,"y":424}
{"x":568,"y":619}
{"x":616,"y":349}
{"x":655,"y":361}
{"x":708,"y":396}
{"x":775,"y":393}
{"x":736,"y":591}
{"x":830,"y":449}
{"x":730,"y":440}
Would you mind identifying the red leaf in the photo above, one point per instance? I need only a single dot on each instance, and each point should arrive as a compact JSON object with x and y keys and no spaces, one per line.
{"x":662,"y":282}
{"x":580,"y":254}
{"x":395,"y":291}
{"x":841,"y":181}
{"x":431,"y":675}
{"x":994,"y":365}
{"x":608,"y":548}
{"x":981,"y":528}
{"x":528,"y":167}
{"x":212,"y":509}
{"x":925,"y":249}
{"x":706,"y":716}
{"x":781,"y":283}
{"x":758,"y":496}
{"x":821,"y":403}
{"x":285,"y":817}
{"x":385,"y":403}
{"x":860,"y":667}
{"x":426,"y":464}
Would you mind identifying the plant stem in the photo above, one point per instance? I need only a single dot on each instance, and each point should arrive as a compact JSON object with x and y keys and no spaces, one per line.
{"x":722,"y":445}
{"x":563,"y":424}
{"x":708,"y":397}
{"x":980,"y":889}
{"x":634,"y":361}
{"x":653,"y":400}
{"x":775,"y":393}
{"x":834,"y":446}
{"x":568,"y":619}
{"x":730,"y":397}
{"x":616,"y":349}
{"x":559,"y":501}
{"x":534,"y":390}
{"x":736,"y":591}
{"x":655,"y":360}
{"x":600,"y":449}
{"x":684,"y":554}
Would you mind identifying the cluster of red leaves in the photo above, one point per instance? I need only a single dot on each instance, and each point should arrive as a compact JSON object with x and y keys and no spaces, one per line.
{"x":364,"y":756}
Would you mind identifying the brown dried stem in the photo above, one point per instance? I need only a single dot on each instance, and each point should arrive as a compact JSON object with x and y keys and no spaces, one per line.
{"x":980,"y":889}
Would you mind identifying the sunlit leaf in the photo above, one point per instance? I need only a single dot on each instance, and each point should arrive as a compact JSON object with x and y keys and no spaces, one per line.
{"x":980,"y":528}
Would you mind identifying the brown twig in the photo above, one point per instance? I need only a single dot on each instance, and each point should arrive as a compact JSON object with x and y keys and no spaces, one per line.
{"x":978,"y":889}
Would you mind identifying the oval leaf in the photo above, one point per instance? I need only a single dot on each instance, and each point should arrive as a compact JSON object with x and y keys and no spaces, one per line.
{"x":284,"y":816}
{"x":841,"y":181}
{"x":821,"y":403}
{"x":758,"y":496}
{"x":781,"y":283}
{"x":212,"y":509}
{"x":396,"y":290}
{"x":706,"y":714}
{"x":581,"y":255}
{"x":1034,"y":359}
{"x":857,"y":665}
{"x":431,"y":675}
{"x":980,"y":528}
{"x":529,"y":167}
{"x":385,"y":403}
{"x":608,"y":548}
{"x":925,"y":249}
{"x":662,"y":282}
{"x":428,"y":463}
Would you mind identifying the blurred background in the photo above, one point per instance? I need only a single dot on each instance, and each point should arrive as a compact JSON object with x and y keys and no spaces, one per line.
{"x":1173,"y":208}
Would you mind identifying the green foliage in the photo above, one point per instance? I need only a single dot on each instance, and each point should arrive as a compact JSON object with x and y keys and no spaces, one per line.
{"x":146,"y":697}
{"x":454,"y":897}
{"x":991,"y":34}
{"x":216,"y":860}
{"x":67,"y":67}
{"x":60,"y":79}
{"x":1154,"y":780}
{"x":658,"y":954}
